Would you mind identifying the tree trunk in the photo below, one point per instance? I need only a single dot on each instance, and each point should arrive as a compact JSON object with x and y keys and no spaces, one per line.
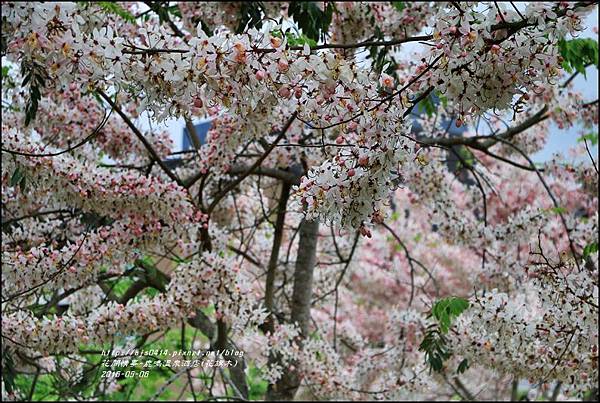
{"x":237,"y":373}
{"x":286,"y":387}
{"x":274,"y":260}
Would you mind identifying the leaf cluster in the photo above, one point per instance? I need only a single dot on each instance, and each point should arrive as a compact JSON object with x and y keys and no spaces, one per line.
{"x":111,"y":7}
{"x":447,"y":309}
{"x":578,"y":53}
{"x":18,"y":178}
{"x":35,"y":76}
{"x":435,"y":344}
{"x":590,"y":249}
{"x":313,"y":21}
{"x":251,"y":16}
{"x":591,"y":137}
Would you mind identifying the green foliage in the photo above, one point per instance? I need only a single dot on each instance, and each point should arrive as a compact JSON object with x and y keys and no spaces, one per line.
{"x":55,"y":386}
{"x":174,"y":10}
{"x":44,"y":387}
{"x":466,"y":157}
{"x":557,"y":210}
{"x":257,"y":386}
{"x":428,"y":106}
{"x":435,"y":344}
{"x":51,"y":387}
{"x":435,"y":347}
{"x":251,"y":15}
{"x":299,"y":40}
{"x":33,"y":74}
{"x":114,"y":8}
{"x":590,"y":249}
{"x":591,"y":137}
{"x":382,"y":59}
{"x":313,"y":21}
{"x":443,"y":99}
{"x":445,"y":310}
{"x":8,"y":82}
{"x":399,"y":5}
{"x":120,"y":286}
{"x":577,"y":53}
{"x":463,"y":366}
{"x":143,"y":389}
{"x":8,"y":371}
{"x":18,"y":178}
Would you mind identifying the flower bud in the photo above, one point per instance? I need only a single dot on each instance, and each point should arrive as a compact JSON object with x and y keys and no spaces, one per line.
{"x":284,"y":92}
{"x":282,"y":65}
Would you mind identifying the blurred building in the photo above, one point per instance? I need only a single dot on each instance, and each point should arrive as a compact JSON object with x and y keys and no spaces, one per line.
{"x":201,"y":128}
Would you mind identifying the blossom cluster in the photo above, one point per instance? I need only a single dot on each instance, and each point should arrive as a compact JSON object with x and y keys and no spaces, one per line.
{"x":80,"y":184}
{"x":192,"y":286}
{"x":488,"y":62}
{"x":549,"y":332}
{"x":409,"y":212}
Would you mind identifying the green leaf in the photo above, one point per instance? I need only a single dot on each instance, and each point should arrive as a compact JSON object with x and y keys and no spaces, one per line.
{"x":434,"y":344}
{"x":257,"y":385}
{"x":23,"y":184}
{"x":591,"y":137}
{"x":399,"y":5}
{"x":557,"y":210}
{"x":428,"y":106}
{"x":114,"y":8}
{"x":447,"y":309}
{"x":19,"y":178}
{"x":313,"y":21}
{"x":463,"y":366}
{"x":443,"y":99}
{"x":26,"y":79}
{"x":299,"y":40}
{"x":35,"y":76}
{"x":251,"y":16}
{"x":435,"y":347}
{"x":382,"y":59}
{"x":578,"y":53}
{"x":467,"y":158}
{"x":8,"y":371}
{"x":16,"y":177}
{"x":174,"y":9}
{"x":590,"y":249}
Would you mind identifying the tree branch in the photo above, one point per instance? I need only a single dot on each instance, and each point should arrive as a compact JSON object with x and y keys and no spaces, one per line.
{"x":254,"y":166}
{"x":141,"y":137}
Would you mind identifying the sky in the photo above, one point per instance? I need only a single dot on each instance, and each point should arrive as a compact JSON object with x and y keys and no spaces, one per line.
{"x":558,"y":140}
